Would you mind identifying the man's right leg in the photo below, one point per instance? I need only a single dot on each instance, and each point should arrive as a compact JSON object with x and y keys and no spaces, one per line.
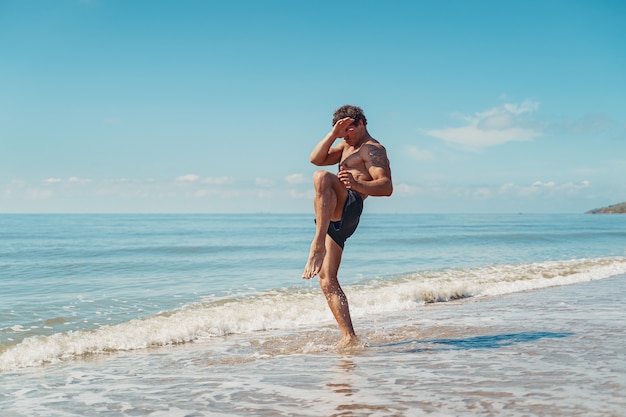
{"x":330,"y":197}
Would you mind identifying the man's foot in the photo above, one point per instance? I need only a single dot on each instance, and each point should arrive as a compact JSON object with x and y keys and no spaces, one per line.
{"x":351,"y":342}
{"x":314,"y":265}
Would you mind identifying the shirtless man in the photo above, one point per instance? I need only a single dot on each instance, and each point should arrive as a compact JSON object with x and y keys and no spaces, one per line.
{"x":363,"y":171}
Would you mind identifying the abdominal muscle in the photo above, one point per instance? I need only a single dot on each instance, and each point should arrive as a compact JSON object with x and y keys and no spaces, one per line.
{"x":359,"y":173}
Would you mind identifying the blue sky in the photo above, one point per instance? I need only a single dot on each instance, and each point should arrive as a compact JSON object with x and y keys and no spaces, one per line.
{"x":207,"y":106}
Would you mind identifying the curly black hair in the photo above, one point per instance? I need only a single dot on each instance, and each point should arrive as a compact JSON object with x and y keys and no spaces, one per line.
{"x":353,"y":112}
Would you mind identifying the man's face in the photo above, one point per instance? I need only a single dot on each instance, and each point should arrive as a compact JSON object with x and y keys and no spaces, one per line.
{"x":353,"y":132}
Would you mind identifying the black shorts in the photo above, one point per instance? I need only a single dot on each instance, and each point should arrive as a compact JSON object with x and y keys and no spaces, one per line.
{"x":341,"y":230}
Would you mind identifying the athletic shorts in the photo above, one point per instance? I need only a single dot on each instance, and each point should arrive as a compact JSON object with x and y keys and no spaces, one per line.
{"x":341,"y":230}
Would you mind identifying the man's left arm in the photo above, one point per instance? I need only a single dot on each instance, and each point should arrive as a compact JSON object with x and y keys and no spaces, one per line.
{"x":377,"y":164}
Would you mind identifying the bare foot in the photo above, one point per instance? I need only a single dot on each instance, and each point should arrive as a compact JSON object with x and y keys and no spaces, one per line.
{"x":314,"y":265}
{"x":351,"y":342}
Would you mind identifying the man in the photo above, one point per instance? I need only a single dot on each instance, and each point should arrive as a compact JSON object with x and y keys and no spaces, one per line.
{"x":363,"y":171}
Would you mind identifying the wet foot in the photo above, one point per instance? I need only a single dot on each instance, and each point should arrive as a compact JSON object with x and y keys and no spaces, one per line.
{"x":314,"y":265}
{"x":351,"y":342}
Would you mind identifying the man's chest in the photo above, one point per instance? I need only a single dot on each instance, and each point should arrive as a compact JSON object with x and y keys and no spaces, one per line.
{"x":351,"y":159}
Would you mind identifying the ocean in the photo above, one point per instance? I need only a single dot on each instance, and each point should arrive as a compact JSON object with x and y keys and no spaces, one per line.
{"x":207,"y":315}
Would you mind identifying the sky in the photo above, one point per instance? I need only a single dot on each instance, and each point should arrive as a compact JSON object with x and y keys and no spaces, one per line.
{"x":146,"y":106}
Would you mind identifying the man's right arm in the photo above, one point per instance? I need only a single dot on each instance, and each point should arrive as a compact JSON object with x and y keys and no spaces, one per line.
{"x":324,"y":154}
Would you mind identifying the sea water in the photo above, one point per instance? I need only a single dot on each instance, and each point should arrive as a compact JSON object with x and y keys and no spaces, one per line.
{"x":207,"y":315}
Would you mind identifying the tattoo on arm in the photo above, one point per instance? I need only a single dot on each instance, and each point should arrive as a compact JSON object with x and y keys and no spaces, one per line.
{"x":378,"y":157}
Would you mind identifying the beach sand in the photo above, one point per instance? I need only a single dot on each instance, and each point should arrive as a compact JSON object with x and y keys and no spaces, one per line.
{"x":557,"y":351}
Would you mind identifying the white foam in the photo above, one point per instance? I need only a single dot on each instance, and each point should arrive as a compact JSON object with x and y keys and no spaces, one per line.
{"x":285,"y":309}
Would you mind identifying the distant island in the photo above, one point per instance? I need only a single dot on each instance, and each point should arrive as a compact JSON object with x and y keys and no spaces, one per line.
{"x":619,"y":208}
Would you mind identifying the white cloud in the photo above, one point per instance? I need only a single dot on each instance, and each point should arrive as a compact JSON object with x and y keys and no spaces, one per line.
{"x":188,"y":178}
{"x":548,"y":184}
{"x":304,"y":195}
{"x":264,"y":182}
{"x":70,"y":180}
{"x":506,"y":187}
{"x":577,"y":186}
{"x":482,"y":192}
{"x":54,"y":194}
{"x":23,"y":190}
{"x":77,"y":180}
{"x":543,"y":187}
{"x":405,"y":190}
{"x":492,"y":127}
{"x":193,"y":178}
{"x":218,"y":180}
{"x":419,"y":154}
{"x":297,"y":179}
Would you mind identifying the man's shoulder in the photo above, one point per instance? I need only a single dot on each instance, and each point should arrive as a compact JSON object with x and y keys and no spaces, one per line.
{"x":372,"y":146}
{"x":375,"y":153}
{"x":373,"y":143}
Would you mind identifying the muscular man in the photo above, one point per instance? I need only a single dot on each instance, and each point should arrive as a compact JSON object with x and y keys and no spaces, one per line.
{"x":363,"y":171}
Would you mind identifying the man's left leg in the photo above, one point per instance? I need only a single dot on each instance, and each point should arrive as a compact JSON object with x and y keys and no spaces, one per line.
{"x":336,"y":298}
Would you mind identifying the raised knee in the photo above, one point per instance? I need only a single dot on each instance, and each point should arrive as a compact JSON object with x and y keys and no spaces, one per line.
{"x":321,"y":178}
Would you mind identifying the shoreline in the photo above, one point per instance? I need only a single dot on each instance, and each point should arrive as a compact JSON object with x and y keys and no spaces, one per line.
{"x":554,"y":351}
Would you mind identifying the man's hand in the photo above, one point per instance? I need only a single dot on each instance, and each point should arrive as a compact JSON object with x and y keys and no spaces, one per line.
{"x":341,"y":127}
{"x":346,"y":177}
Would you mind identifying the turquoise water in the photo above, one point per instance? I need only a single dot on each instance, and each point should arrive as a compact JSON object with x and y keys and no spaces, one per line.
{"x":75,"y":289}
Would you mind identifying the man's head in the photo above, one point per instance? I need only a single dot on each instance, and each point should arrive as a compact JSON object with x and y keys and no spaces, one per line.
{"x":352,"y":112}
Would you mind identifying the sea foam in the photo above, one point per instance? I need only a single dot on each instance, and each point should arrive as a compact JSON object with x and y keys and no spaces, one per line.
{"x":303,"y":308}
